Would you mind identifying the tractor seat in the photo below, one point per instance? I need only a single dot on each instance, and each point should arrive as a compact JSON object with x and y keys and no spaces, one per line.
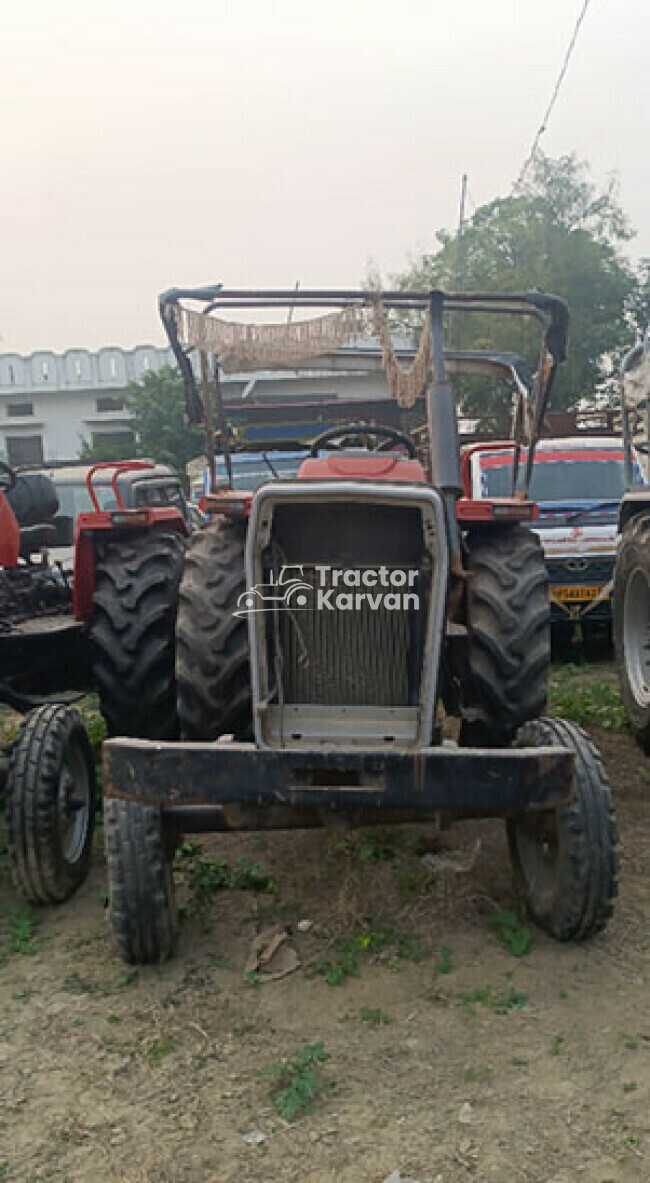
{"x":34,"y":503}
{"x":33,"y":499}
{"x":357,"y":463}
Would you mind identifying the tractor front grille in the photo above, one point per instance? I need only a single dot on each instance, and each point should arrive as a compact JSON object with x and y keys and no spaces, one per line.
{"x":350,"y":591}
{"x":362,"y":655}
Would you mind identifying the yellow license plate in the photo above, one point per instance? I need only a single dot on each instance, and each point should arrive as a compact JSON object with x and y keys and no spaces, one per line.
{"x":580,"y":593}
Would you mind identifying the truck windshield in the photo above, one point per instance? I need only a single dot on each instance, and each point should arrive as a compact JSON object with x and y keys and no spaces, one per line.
{"x":571,"y":475}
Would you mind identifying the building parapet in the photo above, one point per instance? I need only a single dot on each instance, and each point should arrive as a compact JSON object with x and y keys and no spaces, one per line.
{"x":79,"y":369}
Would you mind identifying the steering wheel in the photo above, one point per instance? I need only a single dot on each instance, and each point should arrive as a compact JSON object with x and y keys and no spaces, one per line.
{"x":7,"y":477}
{"x":360,"y":431}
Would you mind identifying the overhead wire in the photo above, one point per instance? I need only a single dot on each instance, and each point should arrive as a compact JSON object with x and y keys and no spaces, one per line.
{"x":554,"y":97}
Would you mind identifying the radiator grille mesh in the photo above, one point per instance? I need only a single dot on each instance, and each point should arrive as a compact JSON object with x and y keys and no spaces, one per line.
{"x":361,"y":656}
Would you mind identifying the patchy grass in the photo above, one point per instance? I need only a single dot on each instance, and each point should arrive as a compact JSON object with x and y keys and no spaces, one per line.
{"x":344,"y":961}
{"x":516,"y":936}
{"x":159,"y":1048}
{"x":444,"y":963}
{"x":501,"y":1004}
{"x":207,"y":876}
{"x":572,"y":696}
{"x":297,"y":1082}
{"x":23,"y":931}
{"x":374,"y":1016}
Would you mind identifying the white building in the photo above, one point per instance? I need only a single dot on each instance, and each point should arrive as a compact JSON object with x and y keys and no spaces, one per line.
{"x":50,"y":403}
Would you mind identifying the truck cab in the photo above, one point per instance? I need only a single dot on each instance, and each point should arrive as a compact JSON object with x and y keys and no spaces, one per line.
{"x":578,"y":484}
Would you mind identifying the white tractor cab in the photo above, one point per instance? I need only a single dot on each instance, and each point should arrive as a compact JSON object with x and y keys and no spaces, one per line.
{"x":156,"y":485}
{"x":578,"y":482}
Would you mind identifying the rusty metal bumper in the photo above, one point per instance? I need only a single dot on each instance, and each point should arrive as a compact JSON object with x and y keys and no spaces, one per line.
{"x":239,"y":786}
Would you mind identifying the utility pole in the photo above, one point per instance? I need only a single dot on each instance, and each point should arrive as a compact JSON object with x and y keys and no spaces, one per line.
{"x":460,"y":259}
{"x":459,"y":280}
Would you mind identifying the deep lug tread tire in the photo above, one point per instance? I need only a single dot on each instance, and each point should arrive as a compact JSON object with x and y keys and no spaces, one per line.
{"x":142,"y":904}
{"x":41,"y":869}
{"x":133,"y":633}
{"x":580,"y":901}
{"x":633,"y":554}
{"x":509,"y":645}
{"x":212,"y":651}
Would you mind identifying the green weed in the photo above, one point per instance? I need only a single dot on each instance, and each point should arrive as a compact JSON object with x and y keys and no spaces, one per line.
{"x":367,"y":846}
{"x":297,"y":1082}
{"x":585,"y":702}
{"x":159,"y":1048}
{"x":344,"y":962}
{"x":556,"y":1048}
{"x":128,"y":978}
{"x":374,"y":1016}
{"x":501,"y":1004}
{"x":444,"y":963}
{"x":23,"y":931}
{"x":22,"y":995}
{"x":208,"y":875}
{"x":516,"y":936}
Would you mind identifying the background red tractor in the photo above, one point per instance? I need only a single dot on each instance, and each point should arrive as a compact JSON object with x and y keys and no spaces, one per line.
{"x":57,"y":640}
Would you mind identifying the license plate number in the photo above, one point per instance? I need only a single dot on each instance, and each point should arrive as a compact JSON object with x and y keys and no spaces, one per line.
{"x":579,"y":593}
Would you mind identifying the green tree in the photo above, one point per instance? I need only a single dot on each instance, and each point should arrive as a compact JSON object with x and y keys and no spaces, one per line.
{"x":560,"y":233}
{"x":157,"y":407}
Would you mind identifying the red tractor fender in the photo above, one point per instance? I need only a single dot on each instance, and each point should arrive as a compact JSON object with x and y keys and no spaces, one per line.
{"x":119,"y":523}
{"x":9,"y":535}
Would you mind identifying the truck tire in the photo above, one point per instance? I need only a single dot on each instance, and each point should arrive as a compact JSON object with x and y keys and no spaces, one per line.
{"x":509,"y":644}
{"x":212,"y":653}
{"x":631,"y":625}
{"x":565,"y":859}
{"x":132,"y":633}
{"x":50,"y":805}
{"x":141,"y":898}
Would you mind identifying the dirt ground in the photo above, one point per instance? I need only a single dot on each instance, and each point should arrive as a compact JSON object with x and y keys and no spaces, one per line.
{"x":449,"y":1058}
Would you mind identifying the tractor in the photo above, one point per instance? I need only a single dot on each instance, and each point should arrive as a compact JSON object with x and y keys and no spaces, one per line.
{"x":56,"y":644}
{"x":631,"y":596}
{"x":406,"y":680}
{"x":47,"y":771}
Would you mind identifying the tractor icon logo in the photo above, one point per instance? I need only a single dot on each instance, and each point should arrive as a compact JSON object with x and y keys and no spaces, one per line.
{"x":291,"y":590}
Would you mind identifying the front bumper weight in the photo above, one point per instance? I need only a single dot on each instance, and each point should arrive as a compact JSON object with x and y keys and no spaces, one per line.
{"x":464,"y":782}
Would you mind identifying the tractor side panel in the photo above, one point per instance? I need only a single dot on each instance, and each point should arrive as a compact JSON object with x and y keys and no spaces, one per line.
{"x":9,"y":535}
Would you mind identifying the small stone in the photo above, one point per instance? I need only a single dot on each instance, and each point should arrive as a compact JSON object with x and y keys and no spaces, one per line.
{"x":254,"y":1138}
{"x":304,"y":925}
{"x":465,"y":1115}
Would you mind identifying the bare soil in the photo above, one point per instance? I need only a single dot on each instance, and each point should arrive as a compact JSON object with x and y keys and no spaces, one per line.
{"x":107,"y":1074}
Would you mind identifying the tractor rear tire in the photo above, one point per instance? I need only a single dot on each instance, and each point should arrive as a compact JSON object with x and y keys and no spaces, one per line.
{"x":142,"y":904}
{"x":509,"y":643}
{"x":50,"y":805}
{"x":133,"y":633}
{"x":631,"y":625}
{"x":566,"y":859}
{"x":212,"y":652}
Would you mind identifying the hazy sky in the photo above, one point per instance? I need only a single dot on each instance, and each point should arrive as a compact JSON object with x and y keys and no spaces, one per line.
{"x":150,"y":143}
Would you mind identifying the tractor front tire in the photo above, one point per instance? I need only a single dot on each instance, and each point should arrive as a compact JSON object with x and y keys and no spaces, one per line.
{"x":212,"y":652}
{"x":565,"y":859}
{"x":142,"y":904}
{"x":50,"y":805}
{"x":132,"y":633}
{"x":631,"y":625}
{"x":509,"y":645}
